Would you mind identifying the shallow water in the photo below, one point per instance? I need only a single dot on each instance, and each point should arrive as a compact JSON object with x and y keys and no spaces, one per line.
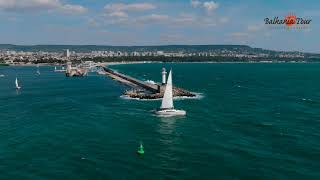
{"x":255,"y":121}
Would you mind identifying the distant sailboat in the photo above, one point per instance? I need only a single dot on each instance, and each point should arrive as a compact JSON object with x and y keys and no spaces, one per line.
{"x":167,"y":108}
{"x":38,"y":71}
{"x":17,"y":84}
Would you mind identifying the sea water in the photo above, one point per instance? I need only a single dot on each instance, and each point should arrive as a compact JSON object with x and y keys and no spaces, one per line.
{"x":253,"y":121}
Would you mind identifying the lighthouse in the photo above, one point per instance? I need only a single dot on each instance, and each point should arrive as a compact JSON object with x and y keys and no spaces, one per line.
{"x":164,"y":73}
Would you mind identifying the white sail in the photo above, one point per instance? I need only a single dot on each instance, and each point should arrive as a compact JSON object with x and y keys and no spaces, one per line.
{"x":167,"y":101}
{"x":17,"y":84}
{"x":38,"y":71}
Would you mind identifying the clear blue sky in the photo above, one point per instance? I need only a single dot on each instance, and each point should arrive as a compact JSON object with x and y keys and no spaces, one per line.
{"x":155,"y":22}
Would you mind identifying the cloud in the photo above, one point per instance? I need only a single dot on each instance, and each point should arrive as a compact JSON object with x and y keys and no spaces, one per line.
{"x":115,"y":7}
{"x":195,"y":3}
{"x":207,"y":5}
{"x":40,"y":5}
{"x":153,"y":18}
{"x":73,"y":9}
{"x":118,"y":14}
{"x":210,"y":5}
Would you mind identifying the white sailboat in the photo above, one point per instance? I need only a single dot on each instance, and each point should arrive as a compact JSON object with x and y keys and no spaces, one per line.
{"x":17,"y":84}
{"x":38,"y":71}
{"x":167,"y":108}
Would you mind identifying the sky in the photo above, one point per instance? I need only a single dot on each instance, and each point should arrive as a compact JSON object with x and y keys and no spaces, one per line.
{"x":159,"y":22}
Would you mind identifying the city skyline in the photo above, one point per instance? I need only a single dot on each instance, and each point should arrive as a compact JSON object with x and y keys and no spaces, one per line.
{"x":83,"y":22}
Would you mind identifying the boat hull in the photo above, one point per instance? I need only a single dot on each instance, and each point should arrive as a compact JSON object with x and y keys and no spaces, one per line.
{"x":171,"y":112}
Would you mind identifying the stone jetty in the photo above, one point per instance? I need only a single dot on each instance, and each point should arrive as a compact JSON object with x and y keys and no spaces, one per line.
{"x":144,"y":90}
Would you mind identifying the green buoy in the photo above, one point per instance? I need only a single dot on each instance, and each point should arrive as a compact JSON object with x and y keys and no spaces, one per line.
{"x":140,"y":150}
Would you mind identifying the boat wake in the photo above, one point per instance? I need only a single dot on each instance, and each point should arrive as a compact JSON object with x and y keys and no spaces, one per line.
{"x":197,"y":97}
{"x":138,"y":99}
{"x":310,"y":101}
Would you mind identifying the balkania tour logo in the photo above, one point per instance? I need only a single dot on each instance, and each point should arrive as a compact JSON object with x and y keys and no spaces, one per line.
{"x":290,"y":21}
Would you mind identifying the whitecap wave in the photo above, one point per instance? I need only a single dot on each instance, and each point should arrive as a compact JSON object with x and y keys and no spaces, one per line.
{"x":150,"y":82}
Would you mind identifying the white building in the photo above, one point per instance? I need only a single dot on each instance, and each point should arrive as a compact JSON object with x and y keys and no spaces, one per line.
{"x":67,"y":53}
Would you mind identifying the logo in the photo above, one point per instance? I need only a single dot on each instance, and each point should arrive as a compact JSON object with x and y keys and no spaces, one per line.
{"x":290,"y":21}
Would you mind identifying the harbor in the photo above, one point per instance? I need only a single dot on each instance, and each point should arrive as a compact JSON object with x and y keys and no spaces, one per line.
{"x":138,"y":89}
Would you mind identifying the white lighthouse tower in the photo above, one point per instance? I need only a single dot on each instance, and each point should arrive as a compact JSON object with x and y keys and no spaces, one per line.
{"x":164,"y":74}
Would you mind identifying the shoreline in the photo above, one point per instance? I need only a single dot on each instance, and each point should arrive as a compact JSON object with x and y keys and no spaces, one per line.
{"x":156,"y":62}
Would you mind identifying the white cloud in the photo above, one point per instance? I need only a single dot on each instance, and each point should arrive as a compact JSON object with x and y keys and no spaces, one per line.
{"x":207,"y":5}
{"x":73,"y":9}
{"x":118,"y":14}
{"x":210,"y":5}
{"x":195,"y":3}
{"x":129,"y":7}
{"x":153,"y":18}
{"x":40,"y":5}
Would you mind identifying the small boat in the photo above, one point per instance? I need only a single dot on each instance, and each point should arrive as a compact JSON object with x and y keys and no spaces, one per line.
{"x":140,"y":150}
{"x":17,"y":84}
{"x":167,"y":108}
{"x":59,"y":70}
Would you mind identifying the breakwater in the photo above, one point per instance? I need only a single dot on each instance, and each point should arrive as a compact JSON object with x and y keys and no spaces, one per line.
{"x":144,"y":90}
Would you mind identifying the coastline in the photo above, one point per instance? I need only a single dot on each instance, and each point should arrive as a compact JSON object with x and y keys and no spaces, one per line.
{"x":181,"y":62}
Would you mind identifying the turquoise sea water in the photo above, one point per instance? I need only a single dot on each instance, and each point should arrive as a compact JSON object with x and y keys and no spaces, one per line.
{"x":254,"y":121}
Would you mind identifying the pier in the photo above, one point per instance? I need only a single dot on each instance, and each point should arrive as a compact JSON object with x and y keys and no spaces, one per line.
{"x":141,"y":89}
{"x":131,"y":81}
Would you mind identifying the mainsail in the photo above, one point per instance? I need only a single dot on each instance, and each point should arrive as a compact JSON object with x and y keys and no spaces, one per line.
{"x":17,"y":84}
{"x":167,"y":101}
{"x":38,"y":71}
